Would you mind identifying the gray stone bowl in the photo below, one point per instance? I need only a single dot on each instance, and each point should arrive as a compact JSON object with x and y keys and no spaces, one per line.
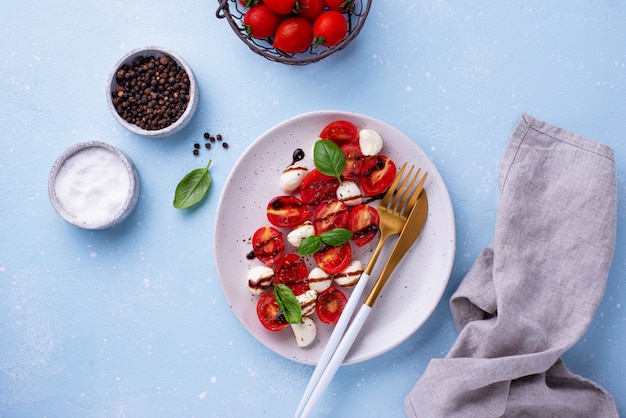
{"x":93,"y":185}
{"x":157,"y":52}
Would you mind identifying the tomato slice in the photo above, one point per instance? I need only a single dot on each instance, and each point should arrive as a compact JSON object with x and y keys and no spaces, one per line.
{"x":330,"y":214}
{"x":354,"y":161}
{"x":341,"y":132}
{"x":269,"y":313}
{"x":330,"y":304}
{"x":377,"y":174}
{"x":317,"y":187}
{"x":268,"y":245}
{"x":364,"y":222}
{"x":291,"y":270}
{"x":287,"y":211}
{"x":333,"y":259}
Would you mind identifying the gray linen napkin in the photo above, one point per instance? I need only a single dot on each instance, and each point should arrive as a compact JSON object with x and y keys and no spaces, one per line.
{"x":531,"y":294}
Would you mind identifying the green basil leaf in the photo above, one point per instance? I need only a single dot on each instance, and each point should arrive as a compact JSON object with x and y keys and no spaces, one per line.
{"x":310,"y":245}
{"x":287,"y":302}
{"x":336,"y":237}
{"x":192,"y":188}
{"x":329,"y":158}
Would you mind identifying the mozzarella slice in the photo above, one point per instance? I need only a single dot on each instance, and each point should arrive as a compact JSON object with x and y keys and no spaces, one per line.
{"x":292,"y":177}
{"x":350,"y":275}
{"x":349,"y":193}
{"x":259,"y":279}
{"x":307,"y":301}
{"x":319,"y":280}
{"x":370,"y":142}
{"x":304,"y":332}
{"x":300,"y":232}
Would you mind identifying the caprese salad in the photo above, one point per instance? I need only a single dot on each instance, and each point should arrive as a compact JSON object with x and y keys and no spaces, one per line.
{"x":320,"y":214}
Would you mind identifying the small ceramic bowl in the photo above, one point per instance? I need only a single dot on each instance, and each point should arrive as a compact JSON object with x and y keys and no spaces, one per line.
{"x":157,"y":52}
{"x":93,"y":185}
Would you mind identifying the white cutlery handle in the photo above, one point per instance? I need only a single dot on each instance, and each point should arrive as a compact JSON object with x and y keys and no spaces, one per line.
{"x":337,"y":358}
{"x":334,"y":339}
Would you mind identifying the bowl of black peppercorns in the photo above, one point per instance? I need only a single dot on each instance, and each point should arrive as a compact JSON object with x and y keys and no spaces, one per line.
{"x":152,"y":92}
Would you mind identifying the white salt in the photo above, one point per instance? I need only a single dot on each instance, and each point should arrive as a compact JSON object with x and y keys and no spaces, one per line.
{"x":93,"y":186}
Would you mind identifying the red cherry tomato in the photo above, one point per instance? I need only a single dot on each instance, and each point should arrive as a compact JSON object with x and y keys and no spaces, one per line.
{"x":293,"y":35}
{"x":330,"y":304}
{"x":269,"y":313}
{"x":268,"y":245}
{"x":377,"y":174}
{"x":291,"y":270}
{"x":281,"y":7}
{"x":310,"y":9}
{"x":317,"y":187}
{"x":364,"y":223}
{"x":287,"y":211}
{"x":329,"y":29}
{"x":261,"y":22}
{"x":341,"y":6}
{"x":333,"y":259}
{"x":330,"y":214}
{"x":354,"y":161}
{"x":341,"y":132}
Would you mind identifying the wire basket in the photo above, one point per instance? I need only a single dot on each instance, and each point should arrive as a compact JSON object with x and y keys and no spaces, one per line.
{"x":234,"y":12}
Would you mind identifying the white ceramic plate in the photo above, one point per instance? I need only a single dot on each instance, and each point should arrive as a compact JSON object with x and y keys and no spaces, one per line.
{"x":414,"y":289}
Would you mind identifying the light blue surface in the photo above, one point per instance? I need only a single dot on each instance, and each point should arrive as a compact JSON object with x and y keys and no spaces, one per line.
{"x":132,"y":322}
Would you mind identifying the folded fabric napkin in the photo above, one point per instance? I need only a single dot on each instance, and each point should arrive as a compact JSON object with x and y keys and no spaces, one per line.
{"x":531,"y":295}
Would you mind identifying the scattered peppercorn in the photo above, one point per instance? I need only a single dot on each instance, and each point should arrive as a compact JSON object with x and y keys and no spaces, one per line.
{"x":225,"y":144}
{"x":212,"y":139}
{"x":151,"y":93}
{"x":207,"y":135}
{"x":195,"y":152}
{"x":218,"y":137}
{"x":207,"y":146}
{"x":196,"y":145}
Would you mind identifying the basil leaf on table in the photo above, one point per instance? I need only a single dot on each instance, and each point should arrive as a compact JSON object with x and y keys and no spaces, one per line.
{"x":287,"y":302}
{"x":328,"y":158}
{"x":193,"y":187}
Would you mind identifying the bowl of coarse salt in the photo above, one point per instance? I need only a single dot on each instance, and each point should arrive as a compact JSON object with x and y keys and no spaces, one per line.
{"x":93,"y":185}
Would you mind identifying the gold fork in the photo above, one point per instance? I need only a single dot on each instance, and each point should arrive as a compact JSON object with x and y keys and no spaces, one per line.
{"x":393,"y":210}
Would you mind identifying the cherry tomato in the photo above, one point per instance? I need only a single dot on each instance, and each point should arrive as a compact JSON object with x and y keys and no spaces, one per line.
{"x":377,"y":174}
{"x":293,"y":35}
{"x":287,"y":211}
{"x":333,"y":259}
{"x":354,"y":158}
{"x":364,"y":222}
{"x":330,"y":214}
{"x":317,"y":187}
{"x":341,"y":6}
{"x":261,"y":22}
{"x":310,"y":9}
{"x":330,"y":304}
{"x":269,"y":313}
{"x":341,"y":132}
{"x":291,"y":270}
{"x":268,"y":245}
{"x":281,"y":7}
{"x":329,"y":29}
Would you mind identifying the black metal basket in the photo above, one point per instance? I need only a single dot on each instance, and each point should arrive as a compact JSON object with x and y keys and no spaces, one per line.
{"x":234,"y":12}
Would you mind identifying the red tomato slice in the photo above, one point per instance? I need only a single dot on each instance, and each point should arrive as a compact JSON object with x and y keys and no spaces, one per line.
{"x":334,"y":259}
{"x":287,"y":211}
{"x":330,"y":214}
{"x":268,"y":245}
{"x":341,"y":132}
{"x":291,"y":270}
{"x":354,"y":161}
{"x":330,"y":304}
{"x":364,"y":223}
{"x":377,"y":174}
{"x":270,"y":314}
{"x":317,"y":187}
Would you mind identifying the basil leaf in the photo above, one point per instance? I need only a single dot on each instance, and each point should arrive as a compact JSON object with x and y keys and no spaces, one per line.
{"x":310,"y":245}
{"x":192,"y":188}
{"x":287,"y":302}
{"x":329,"y":158}
{"x":336,"y":237}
